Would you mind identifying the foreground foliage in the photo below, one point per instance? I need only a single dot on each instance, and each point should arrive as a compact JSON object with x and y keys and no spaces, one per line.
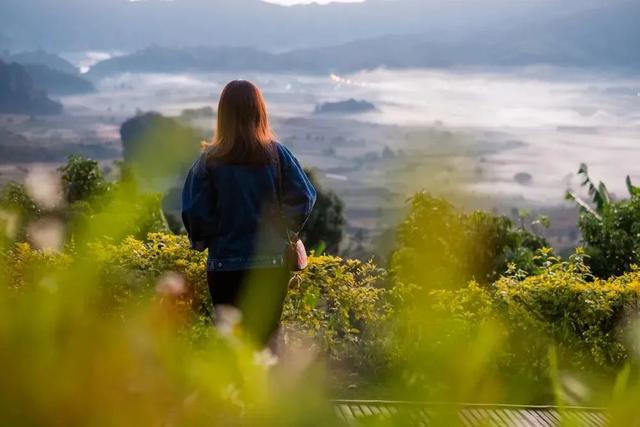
{"x":74,"y":360}
{"x":337,"y":304}
{"x":113,"y":325}
{"x":589,"y":324}
{"x":376,"y":334}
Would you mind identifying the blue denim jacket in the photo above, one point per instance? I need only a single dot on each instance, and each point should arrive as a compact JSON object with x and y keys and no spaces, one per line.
{"x":240,"y":213}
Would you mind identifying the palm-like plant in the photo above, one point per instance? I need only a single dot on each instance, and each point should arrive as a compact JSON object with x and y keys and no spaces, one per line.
{"x":599,"y":194}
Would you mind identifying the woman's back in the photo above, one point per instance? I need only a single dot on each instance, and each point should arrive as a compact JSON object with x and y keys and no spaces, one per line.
{"x":241,"y":199}
{"x":242,"y":212}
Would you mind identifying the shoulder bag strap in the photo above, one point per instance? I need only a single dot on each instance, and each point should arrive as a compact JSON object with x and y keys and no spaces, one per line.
{"x":290,"y":236}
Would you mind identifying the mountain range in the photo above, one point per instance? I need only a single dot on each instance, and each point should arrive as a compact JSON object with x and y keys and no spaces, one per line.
{"x":232,"y":35}
{"x":598,"y":37}
{"x":63,"y":25}
{"x":606,"y":36}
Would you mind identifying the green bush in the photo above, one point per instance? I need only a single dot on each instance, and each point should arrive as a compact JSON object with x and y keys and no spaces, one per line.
{"x":17,"y":209}
{"x":81,"y":179}
{"x":341,"y":306}
{"x":90,"y":197}
{"x":99,"y":326}
{"x":587,"y":322}
{"x":158,"y":149}
{"x":477,"y":343}
{"x":610,"y":229}
{"x":325,"y":227}
{"x":337,"y":304}
{"x":440,"y":247}
{"x":75,"y":358}
{"x":613,"y":240}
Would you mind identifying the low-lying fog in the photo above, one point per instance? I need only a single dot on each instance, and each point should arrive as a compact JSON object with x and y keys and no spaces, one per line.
{"x":544,"y":121}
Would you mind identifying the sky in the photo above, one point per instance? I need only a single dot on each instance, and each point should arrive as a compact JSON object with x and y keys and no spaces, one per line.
{"x":292,"y":2}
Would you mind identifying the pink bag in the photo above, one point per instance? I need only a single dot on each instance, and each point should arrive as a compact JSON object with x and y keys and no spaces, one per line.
{"x":295,"y":257}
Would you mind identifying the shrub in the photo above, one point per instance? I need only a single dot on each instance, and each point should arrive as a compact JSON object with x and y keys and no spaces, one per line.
{"x":130,"y":270}
{"x":336,"y":303}
{"x":81,"y":179}
{"x":610,"y":229}
{"x":341,"y":306}
{"x":488,"y":343}
{"x":17,"y":209}
{"x":27,"y":268}
{"x":441,"y":247}
{"x":587,"y":322}
{"x":325,"y":226}
{"x":71,"y":363}
{"x":157,"y":149}
{"x":613,"y":240}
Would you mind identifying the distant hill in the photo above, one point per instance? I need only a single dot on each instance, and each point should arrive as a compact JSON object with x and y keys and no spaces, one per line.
{"x":606,"y":35}
{"x":350,"y":106}
{"x":601,"y":37}
{"x":197,"y":113}
{"x":57,"y":82}
{"x":42,"y":57}
{"x":171,"y":60}
{"x":16,"y":148}
{"x":18,"y":95}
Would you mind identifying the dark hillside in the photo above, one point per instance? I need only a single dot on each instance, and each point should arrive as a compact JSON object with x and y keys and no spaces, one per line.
{"x":57,"y":82}
{"x":18,"y":94}
{"x":42,"y":57}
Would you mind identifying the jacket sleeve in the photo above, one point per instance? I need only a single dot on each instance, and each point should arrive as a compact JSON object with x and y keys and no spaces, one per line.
{"x":198,"y":202}
{"x":298,"y":194}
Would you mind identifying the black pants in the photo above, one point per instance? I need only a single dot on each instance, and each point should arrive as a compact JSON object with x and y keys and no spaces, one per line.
{"x":258,"y":293}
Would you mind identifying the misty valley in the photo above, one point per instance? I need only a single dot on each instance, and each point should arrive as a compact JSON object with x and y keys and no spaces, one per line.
{"x":502,"y":140}
{"x":493,"y":104}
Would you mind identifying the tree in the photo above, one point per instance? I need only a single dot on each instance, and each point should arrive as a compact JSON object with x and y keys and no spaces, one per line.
{"x":81,"y":179}
{"x":611,"y":229}
{"x":325,"y":227}
{"x":157,"y":149}
{"x":441,"y":247}
{"x":88,"y":195}
{"x":599,"y":193}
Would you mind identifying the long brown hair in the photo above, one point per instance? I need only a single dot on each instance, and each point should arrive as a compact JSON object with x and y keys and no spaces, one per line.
{"x":243,"y":134}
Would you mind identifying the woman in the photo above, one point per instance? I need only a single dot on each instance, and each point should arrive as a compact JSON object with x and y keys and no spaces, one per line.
{"x":241,"y":199}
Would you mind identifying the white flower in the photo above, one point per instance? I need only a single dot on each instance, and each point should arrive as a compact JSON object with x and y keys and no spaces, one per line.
{"x":171,"y":284}
{"x":44,"y":187}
